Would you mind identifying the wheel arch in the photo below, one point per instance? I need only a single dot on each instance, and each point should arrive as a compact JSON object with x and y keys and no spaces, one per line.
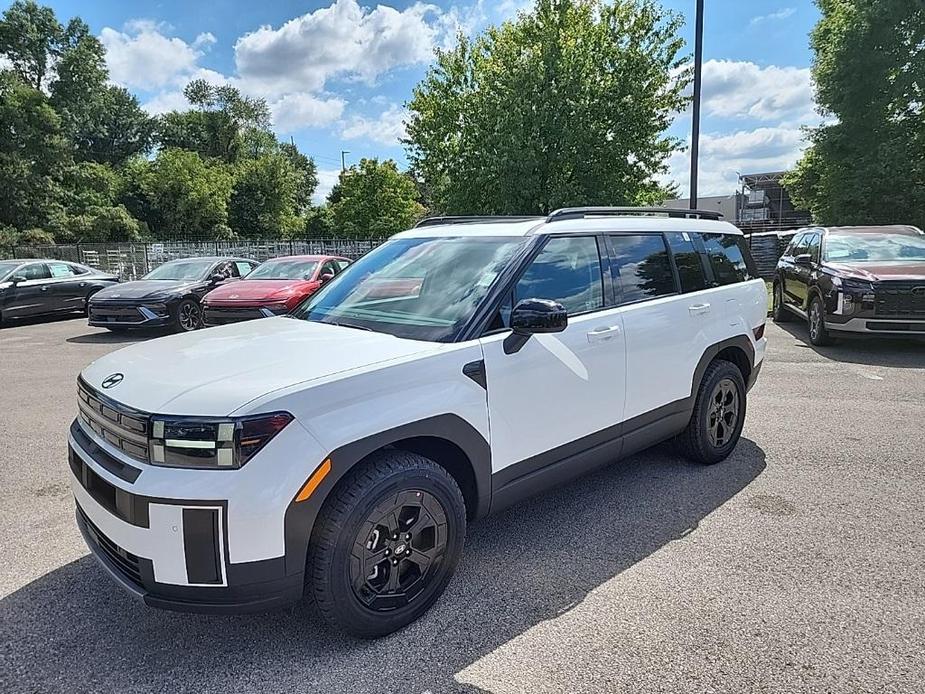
{"x":739,"y":350}
{"x":447,"y":439}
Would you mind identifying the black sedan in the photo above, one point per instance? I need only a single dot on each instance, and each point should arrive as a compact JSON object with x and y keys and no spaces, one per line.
{"x":39,"y":287}
{"x":168,"y":296}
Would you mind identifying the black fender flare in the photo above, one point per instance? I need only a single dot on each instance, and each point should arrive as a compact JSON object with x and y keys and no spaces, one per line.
{"x":741,"y":342}
{"x":301,"y":515}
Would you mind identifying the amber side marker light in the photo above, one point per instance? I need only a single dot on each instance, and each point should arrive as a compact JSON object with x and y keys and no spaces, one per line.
{"x":311,"y":484}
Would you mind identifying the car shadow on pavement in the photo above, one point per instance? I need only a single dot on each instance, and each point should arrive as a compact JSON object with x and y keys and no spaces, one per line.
{"x":110,"y":338}
{"x":72,"y":630}
{"x":869,"y":351}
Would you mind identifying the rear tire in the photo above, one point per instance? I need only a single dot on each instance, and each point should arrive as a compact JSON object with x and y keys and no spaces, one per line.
{"x":779,"y":312}
{"x":386,"y":543}
{"x":719,"y":413}
{"x":818,"y":334}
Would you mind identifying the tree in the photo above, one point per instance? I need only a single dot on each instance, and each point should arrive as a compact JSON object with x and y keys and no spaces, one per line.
{"x":566,"y":105}
{"x":865,"y":164}
{"x":30,"y":39}
{"x":116,"y":128}
{"x":79,"y":79}
{"x":308,"y":175}
{"x":373,"y":198}
{"x":33,"y":155}
{"x":262,"y":203}
{"x":179,"y":193}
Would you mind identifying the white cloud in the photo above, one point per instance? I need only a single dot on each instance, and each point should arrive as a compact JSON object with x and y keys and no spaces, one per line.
{"x":326,"y":180}
{"x":741,"y":89}
{"x":142,"y":57}
{"x":723,"y":156}
{"x":301,"y":110}
{"x":343,"y":40}
{"x":386,"y":129}
{"x":782,"y":13}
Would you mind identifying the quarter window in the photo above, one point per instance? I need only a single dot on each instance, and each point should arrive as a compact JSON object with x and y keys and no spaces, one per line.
{"x":567,"y":270}
{"x":688,"y":262}
{"x":641,"y":268}
{"x":726,"y":259}
{"x":243,"y":267}
{"x":61,"y":270}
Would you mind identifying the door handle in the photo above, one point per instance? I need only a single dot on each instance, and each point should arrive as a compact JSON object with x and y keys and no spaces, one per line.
{"x":606,"y":333}
{"x":699,"y":309}
{"x":44,"y":289}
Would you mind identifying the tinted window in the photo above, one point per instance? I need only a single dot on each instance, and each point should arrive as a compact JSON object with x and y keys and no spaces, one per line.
{"x":567,"y":270}
{"x":243,"y":267}
{"x":745,"y":250}
{"x":226,"y":269}
{"x":815,"y":242}
{"x":798,"y":245}
{"x":688,"y":262}
{"x":61,"y":270}
{"x":342,"y":264}
{"x":35,"y":271}
{"x":641,"y":268}
{"x":329,"y":267}
{"x":726,"y":258}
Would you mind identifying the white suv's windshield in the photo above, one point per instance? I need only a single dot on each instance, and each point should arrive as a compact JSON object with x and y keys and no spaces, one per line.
{"x":872,"y":248}
{"x":424,"y":288}
{"x":181,"y":270}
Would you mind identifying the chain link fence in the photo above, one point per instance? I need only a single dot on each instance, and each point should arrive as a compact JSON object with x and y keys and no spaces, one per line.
{"x":131,"y":260}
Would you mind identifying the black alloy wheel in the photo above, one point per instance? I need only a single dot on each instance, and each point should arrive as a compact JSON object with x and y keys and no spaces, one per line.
{"x":189,"y":316}
{"x":386,"y":543}
{"x":719,"y":413}
{"x":398,"y":548}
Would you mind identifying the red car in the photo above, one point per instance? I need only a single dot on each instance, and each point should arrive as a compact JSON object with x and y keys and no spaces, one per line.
{"x":272,"y":289}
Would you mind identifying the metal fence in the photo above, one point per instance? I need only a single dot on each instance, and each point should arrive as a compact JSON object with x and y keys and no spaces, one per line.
{"x":131,"y":260}
{"x":767,"y":248}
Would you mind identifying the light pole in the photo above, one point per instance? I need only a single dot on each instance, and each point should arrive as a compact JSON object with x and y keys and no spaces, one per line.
{"x":695,"y":131}
{"x":343,"y":161}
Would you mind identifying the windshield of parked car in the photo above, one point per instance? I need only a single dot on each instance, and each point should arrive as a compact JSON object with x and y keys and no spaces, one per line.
{"x":871,"y":248}
{"x":6,"y":268}
{"x":193,"y":269}
{"x":284,"y":269}
{"x":420,"y":288}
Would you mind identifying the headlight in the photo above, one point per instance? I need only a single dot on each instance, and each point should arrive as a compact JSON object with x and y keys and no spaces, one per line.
{"x":277,"y":307}
{"x":159,"y":309}
{"x":206,"y":443}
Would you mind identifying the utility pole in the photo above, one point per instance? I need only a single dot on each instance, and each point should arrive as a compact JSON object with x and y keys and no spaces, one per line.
{"x":695,"y":131}
{"x":343,"y":161}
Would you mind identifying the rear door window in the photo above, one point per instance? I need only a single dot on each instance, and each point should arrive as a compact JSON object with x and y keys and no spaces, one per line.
{"x":59,"y":270}
{"x":688,"y":261}
{"x":726,"y":258}
{"x":243,"y":267}
{"x":640,"y":267}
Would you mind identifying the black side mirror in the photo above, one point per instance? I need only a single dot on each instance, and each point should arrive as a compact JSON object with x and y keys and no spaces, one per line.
{"x":804,"y":259}
{"x":531,"y":316}
{"x":216,"y":278}
{"x":16,"y":279}
{"x":326,"y":277}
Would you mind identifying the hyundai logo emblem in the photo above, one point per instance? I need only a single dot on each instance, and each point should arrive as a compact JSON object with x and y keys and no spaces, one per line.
{"x":919,"y":291}
{"x":112,"y":381}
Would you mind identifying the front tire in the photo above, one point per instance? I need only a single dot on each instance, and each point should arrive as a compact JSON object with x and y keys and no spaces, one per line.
{"x":818,"y":334}
{"x":386,"y":544}
{"x":719,"y":413}
{"x":189,"y":316}
{"x":779,"y":312}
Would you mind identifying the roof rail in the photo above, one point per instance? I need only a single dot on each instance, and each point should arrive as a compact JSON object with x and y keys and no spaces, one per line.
{"x":583,"y":212}
{"x":473,"y":219}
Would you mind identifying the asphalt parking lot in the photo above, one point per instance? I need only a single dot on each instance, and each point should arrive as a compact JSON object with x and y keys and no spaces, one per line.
{"x":795,"y":565}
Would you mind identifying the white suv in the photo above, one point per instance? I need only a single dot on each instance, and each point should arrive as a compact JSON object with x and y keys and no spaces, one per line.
{"x":462,"y":366}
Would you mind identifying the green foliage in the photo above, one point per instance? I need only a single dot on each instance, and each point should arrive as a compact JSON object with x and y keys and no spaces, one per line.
{"x":181,"y":194}
{"x":116,"y":128}
{"x":319,"y":222}
{"x":30,"y":39}
{"x":567,"y":104}
{"x":373,"y":198}
{"x":262,"y":201}
{"x":866,"y":163}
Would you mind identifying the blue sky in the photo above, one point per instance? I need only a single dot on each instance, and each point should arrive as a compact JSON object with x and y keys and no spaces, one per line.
{"x":337,"y":73}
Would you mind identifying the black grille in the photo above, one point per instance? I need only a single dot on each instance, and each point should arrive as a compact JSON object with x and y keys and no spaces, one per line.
{"x":905,"y":298}
{"x":223,"y":316}
{"x":125,"y":562}
{"x":124,"y":428}
{"x":115,"y":314}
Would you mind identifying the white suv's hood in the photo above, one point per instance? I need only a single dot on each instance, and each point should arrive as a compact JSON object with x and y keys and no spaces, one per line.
{"x":215,"y":371}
